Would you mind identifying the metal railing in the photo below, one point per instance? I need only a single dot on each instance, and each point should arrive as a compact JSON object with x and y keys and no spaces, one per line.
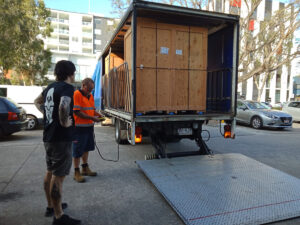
{"x":117,"y":89}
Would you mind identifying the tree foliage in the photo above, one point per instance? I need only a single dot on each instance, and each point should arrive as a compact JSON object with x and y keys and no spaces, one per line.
{"x":263,"y":50}
{"x":23,"y":23}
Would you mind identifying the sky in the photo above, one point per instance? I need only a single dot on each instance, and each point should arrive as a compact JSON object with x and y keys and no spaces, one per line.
{"x":82,"y":6}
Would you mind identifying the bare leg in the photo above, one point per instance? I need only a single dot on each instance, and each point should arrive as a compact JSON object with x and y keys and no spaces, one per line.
{"x":85,"y":157}
{"x":47,"y":181}
{"x":76,"y":162}
{"x":56,"y":194}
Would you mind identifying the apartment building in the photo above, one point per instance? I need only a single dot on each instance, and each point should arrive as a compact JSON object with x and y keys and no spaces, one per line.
{"x":78,"y":37}
{"x":279,"y":88}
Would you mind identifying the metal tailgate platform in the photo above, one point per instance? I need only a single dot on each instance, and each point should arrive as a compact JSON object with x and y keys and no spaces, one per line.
{"x":224,"y":189}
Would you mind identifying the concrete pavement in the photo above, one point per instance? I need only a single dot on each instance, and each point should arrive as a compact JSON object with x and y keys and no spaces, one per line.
{"x":120,"y":194}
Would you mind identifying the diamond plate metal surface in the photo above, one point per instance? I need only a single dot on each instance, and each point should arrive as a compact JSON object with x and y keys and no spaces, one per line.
{"x":224,"y":189}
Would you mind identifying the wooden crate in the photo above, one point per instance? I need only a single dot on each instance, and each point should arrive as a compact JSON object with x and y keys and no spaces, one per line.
{"x":197,"y":90}
{"x":171,"y":64}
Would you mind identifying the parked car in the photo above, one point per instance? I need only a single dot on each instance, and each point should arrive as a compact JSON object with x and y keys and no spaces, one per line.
{"x":267,"y":104}
{"x":12,"y":117}
{"x":292,"y":108}
{"x":258,"y":115}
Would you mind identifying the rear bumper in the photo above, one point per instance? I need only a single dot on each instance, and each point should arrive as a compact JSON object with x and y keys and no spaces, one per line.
{"x":13,"y":127}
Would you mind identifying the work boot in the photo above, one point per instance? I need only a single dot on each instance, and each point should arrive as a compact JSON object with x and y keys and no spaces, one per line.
{"x":86,"y":171}
{"x":78,"y":177}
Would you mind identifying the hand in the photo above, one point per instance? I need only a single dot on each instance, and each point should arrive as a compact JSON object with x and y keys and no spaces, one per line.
{"x":69,"y":122}
{"x":98,"y":119}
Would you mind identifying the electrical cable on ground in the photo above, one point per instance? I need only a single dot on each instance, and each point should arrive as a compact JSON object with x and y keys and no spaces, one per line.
{"x":109,"y":160}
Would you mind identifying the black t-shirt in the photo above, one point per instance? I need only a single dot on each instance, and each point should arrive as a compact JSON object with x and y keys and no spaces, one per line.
{"x":53,"y":131}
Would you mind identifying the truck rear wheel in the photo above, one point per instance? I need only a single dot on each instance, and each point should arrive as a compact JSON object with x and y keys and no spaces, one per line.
{"x":120,"y":132}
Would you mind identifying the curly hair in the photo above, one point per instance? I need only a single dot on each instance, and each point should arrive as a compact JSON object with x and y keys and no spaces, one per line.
{"x":64,"y":69}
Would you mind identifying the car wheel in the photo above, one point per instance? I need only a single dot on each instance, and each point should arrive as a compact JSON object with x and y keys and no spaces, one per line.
{"x":32,"y":123}
{"x":256,"y":122}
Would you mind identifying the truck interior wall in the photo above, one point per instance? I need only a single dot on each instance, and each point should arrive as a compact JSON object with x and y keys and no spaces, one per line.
{"x":219,"y":75}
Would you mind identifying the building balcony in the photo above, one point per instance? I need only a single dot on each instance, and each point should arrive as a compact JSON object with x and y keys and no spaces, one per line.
{"x":86,"y":23}
{"x":87,"y":34}
{"x":63,"y":31}
{"x":64,"y":42}
{"x":64,"y":21}
{"x":87,"y":44}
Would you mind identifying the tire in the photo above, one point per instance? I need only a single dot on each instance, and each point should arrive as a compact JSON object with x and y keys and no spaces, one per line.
{"x":256,"y":122}
{"x":32,"y":123}
{"x":120,"y":132}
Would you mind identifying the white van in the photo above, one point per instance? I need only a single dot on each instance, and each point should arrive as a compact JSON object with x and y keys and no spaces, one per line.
{"x":25,"y":96}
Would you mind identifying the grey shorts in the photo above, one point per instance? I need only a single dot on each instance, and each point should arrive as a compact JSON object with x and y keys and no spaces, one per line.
{"x":59,"y":157}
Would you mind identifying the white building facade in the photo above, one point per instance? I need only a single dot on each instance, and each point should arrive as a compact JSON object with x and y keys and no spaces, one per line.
{"x":79,"y":38}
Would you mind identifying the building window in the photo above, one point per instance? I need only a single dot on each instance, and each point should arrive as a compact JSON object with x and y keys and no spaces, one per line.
{"x":218,"y":6}
{"x":278,"y":80}
{"x":287,"y":95}
{"x":277,"y":96}
{"x":97,"y":21}
{"x":110,"y":22}
{"x":267,"y":97}
{"x":98,"y":31}
{"x":75,"y":39}
{"x":268,"y":9}
{"x":98,"y":42}
{"x":268,"y":81}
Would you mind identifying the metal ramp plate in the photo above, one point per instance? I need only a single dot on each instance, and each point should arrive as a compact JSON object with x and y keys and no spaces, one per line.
{"x":224,"y":189}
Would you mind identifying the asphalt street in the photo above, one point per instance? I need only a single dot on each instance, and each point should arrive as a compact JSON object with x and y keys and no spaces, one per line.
{"x":121,"y":194}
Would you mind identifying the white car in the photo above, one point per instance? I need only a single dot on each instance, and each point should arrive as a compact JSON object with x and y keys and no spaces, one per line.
{"x":292,"y":108}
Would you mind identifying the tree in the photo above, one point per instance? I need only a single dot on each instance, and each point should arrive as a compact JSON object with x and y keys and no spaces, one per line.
{"x":22,"y":24}
{"x":263,"y":50}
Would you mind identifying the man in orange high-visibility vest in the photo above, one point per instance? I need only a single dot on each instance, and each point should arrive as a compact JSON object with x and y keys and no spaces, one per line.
{"x":83,"y":138}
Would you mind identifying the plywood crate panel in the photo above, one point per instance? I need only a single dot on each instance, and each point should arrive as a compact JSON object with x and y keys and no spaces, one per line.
{"x":180,"y":50}
{"x":164,"y":82}
{"x":146,"y":43}
{"x":145,"y":90}
{"x":164,"y":46}
{"x":198,"y":48}
{"x":197,"y":90}
{"x":179,"y":90}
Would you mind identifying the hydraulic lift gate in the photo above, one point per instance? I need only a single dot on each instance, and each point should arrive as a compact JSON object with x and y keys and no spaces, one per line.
{"x":224,"y":189}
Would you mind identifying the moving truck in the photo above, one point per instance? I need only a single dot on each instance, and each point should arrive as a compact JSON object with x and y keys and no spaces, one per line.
{"x":167,"y":70}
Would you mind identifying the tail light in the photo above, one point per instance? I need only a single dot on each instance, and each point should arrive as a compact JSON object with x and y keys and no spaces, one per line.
{"x":138,"y":135}
{"x":227,"y":131}
{"x":12,"y":116}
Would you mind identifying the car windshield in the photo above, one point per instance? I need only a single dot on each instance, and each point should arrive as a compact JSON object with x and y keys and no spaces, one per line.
{"x":256,"y":105}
